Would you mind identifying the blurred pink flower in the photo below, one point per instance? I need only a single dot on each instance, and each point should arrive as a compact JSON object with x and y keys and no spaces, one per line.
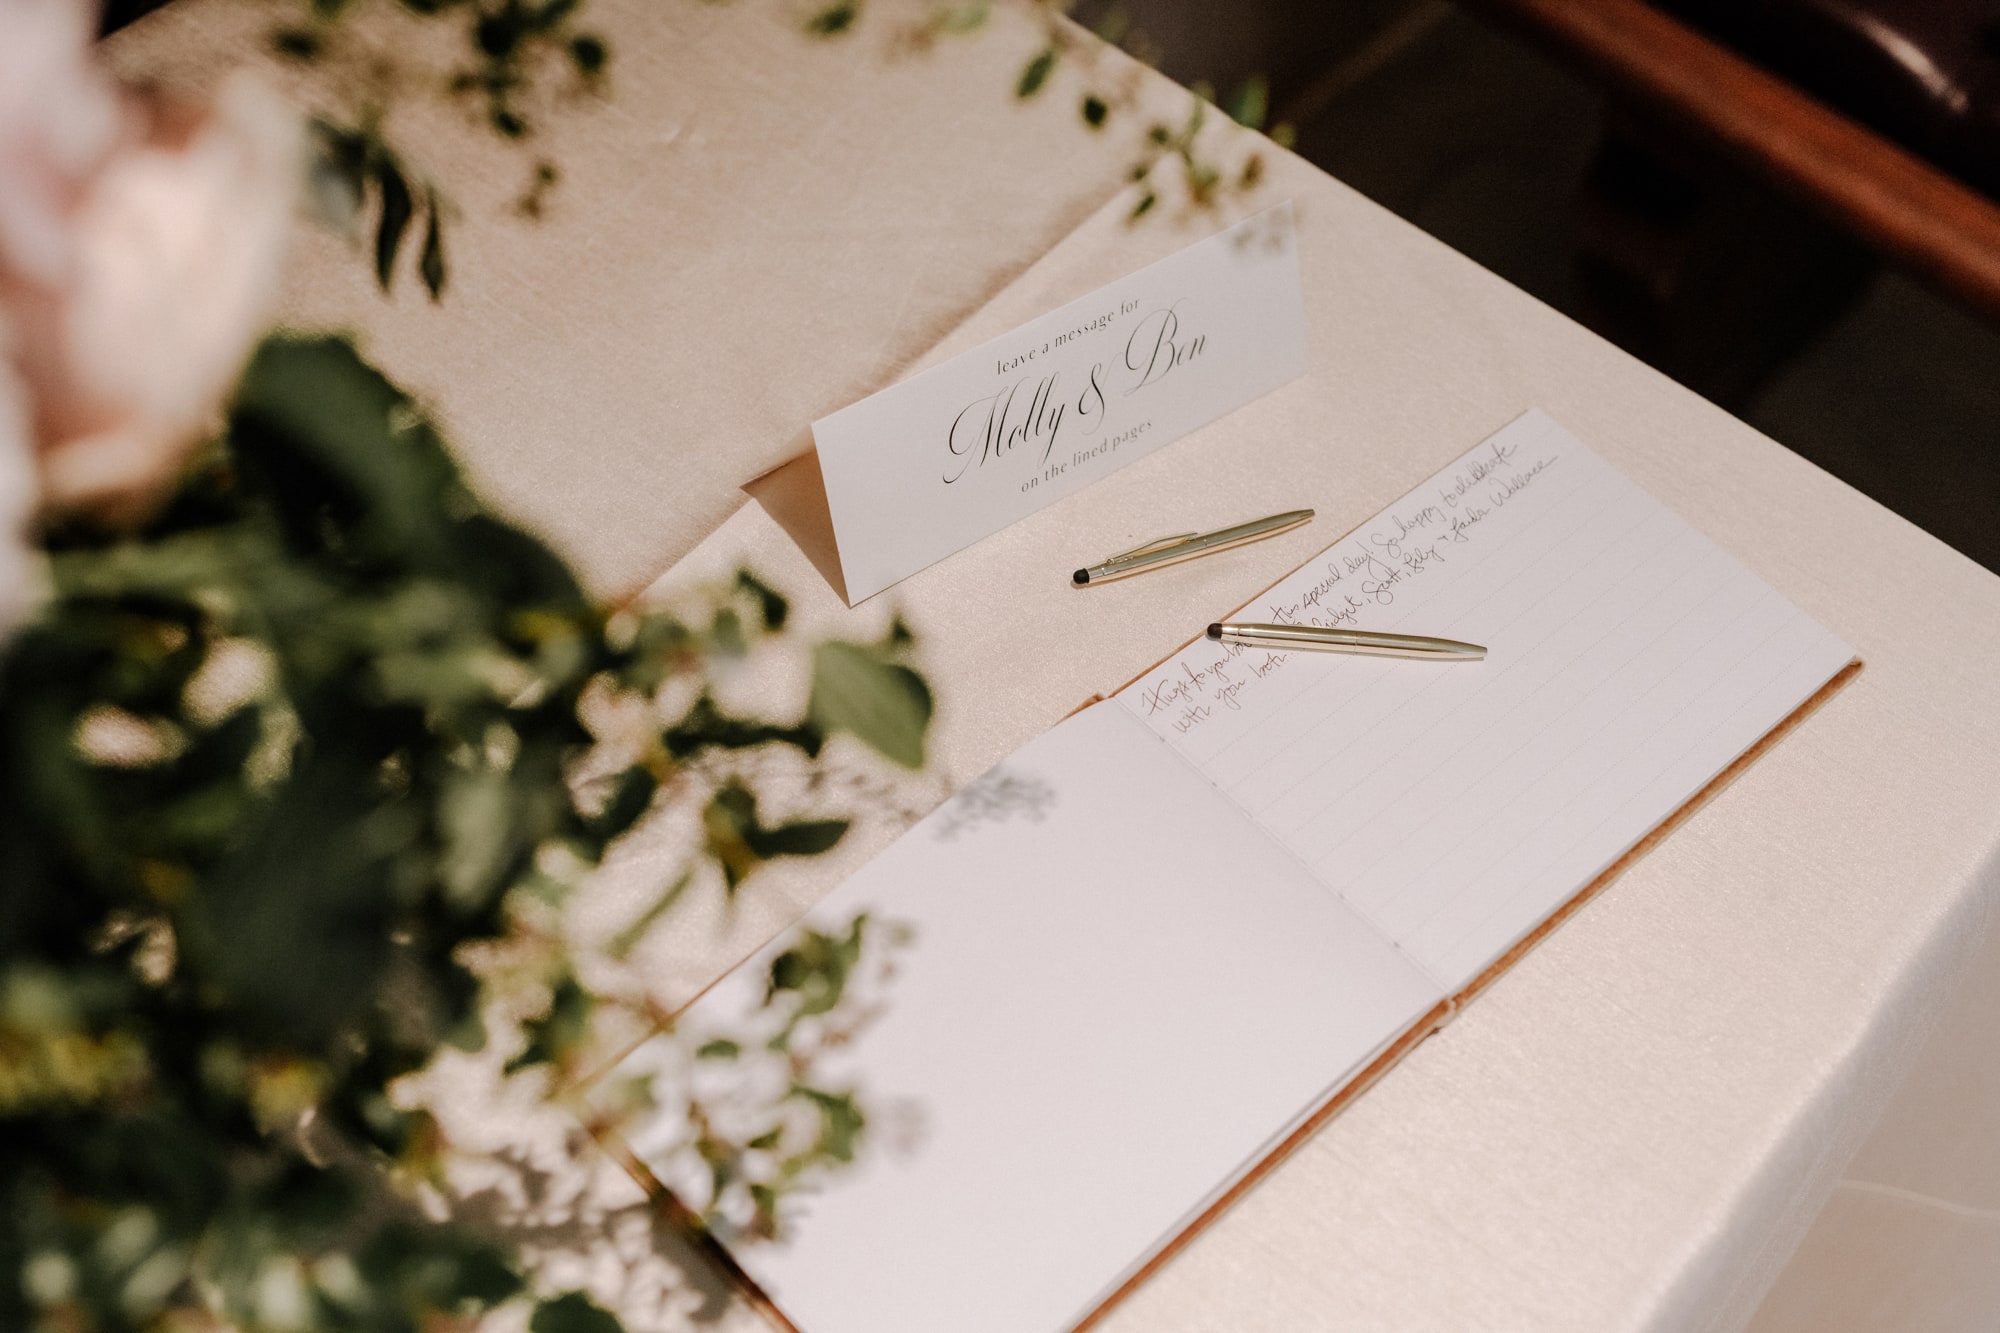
{"x":139,"y":251}
{"x":18,"y":491}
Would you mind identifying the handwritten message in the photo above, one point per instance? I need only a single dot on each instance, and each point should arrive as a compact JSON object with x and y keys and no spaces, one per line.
{"x":1454,"y":805}
{"x":1359,"y":582}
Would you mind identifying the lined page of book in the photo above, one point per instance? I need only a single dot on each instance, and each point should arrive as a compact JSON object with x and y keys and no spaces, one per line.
{"x":1116,"y":998}
{"x":1456,"y":805}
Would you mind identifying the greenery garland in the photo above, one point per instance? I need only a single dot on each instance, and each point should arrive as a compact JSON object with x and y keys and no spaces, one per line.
{"x":295,"y":779}
{"x":272,"y":766}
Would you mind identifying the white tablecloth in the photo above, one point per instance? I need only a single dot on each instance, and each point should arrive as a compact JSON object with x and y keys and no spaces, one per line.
{"x":1755,"y":1083}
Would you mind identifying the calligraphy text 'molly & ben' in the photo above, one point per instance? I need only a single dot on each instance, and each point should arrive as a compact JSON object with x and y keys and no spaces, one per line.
{"x":1029,"y":415}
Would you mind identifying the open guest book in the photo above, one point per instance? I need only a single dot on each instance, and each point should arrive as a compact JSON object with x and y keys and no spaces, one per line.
{"x":1162,"y":942}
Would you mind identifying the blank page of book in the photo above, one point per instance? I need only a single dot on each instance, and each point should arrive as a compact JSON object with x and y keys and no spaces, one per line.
{"x":1456,"y":805}
{"x":1116,"y":998}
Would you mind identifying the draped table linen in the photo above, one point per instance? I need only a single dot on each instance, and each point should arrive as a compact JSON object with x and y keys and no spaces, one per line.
{"x":1754,"y":1084}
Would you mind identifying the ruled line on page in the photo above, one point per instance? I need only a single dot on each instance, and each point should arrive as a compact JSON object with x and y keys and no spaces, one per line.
{"x":1647,"y":653}
{"x":1516,"y":669}
{"x":1455,"y":806}
{"x":1409,"y":917}
{"x":1389,"y":617}
{"x":1779,"y":695}
{"x":1361,"y":708}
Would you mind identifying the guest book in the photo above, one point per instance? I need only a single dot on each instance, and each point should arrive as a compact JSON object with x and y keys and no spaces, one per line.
{"x":1159,"y":944}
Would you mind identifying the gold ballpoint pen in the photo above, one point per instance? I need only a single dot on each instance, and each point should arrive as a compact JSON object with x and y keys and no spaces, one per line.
{"x":1163,"y":551}
{"x":1312,"y":638}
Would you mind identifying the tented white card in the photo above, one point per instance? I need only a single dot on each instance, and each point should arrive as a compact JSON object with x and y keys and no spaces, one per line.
{"x":933,"y":464}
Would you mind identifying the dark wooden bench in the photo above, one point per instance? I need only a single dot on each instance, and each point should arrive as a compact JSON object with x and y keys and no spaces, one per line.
{"x":1763,"y":153}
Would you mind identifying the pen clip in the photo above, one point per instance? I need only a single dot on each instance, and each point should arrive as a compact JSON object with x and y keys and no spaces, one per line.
{"x":1157,"y":544}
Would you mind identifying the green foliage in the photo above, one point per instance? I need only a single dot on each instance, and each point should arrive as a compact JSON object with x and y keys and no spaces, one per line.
{"x":841,"y":1122}
{"x":814,"y":972}
{"x":430,"y":267}
{"x":560,"y":1028}
{"x":970,"y":16}
{"x":860,"y":688}
{"x":396,"y":209}
{"x":1204,"y":179}
{"x":572,"y":1312}
{"x":834,"y":19}
{"x":812,"y":998}
{"x":739,"y":841}
{"x":589,"y":54}
{"x":513,"y":49}
{"x":351,"y":167}
{"x":267,"y":768}
{"x":301,"y":44}
{"x":1036,"y":73}
{"x":1251,"y":102}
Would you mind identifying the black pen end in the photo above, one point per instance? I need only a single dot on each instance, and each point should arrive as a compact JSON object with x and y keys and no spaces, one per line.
{"x":1215,"y":631}
{"x":1081,"y":577}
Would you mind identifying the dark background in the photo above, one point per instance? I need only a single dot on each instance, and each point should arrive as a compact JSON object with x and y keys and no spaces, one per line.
{"x":1486,"y":144}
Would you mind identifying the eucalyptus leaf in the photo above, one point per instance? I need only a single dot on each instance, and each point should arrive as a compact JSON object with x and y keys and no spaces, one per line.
{"x":301,"y":44}
{"x":771,"y":606}
{"x":815,"y":970}
{"x":966,"y":16}
{"x":559,"y":1031}
{"x":885,"y":704}
{"x":588,"y":54}
{"x":834,"y":19}
{"x":631,"y":792}
{"x":397,"y":208}
{"x":572,"y":1312}
{"x":804,"y":837}
{"x":1036,"y":73}
{"x":1251,"y":102}
{"x":705,"y":726}
{"x":328,"y":431}
{"x":477,"y":819}
{"x":430,"y":265}
{"x":841,"y":1121}
{"x":738,"y":841}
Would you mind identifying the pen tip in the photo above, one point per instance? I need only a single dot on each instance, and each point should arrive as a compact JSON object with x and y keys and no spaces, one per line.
{"x":1081,"y":577}
{"x":1215,"y":631}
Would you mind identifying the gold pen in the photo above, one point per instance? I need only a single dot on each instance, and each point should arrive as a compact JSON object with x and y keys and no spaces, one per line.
{"x":1163,"y":551}
{"x":1313,"y":638}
